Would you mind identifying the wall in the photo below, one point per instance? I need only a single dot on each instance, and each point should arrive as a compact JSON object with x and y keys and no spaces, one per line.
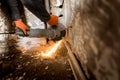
{"x":95,"y":37}
{"x":4,"y":27}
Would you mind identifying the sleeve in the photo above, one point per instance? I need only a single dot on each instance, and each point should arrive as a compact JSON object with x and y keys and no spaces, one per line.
{"x":37,"y":7}
{"x":14,"y":10}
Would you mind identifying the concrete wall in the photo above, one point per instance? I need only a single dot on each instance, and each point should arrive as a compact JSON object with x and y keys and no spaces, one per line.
{"x":95,"y":37}
{"x":4,"y":27}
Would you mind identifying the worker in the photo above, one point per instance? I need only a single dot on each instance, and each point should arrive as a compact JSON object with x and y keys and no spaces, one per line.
{"x":36,"y":7}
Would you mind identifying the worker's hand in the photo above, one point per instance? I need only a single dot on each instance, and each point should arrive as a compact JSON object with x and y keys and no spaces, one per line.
{"x":20,"y":24}
{"x":53,"y":20}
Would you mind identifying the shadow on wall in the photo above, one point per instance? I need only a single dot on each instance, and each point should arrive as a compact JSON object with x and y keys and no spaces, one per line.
{"x":96,"y":37}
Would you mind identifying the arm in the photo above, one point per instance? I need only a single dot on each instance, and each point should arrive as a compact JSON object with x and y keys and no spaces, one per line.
{"x":15,"y":15}
{"x":37,"y":7}
{"x":14,"y":11}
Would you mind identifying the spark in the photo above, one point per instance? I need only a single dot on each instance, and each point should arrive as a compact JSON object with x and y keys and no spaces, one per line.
{"x":52,"y":50}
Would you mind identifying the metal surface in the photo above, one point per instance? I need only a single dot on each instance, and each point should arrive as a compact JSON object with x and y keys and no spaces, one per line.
{"x":77,"y":71}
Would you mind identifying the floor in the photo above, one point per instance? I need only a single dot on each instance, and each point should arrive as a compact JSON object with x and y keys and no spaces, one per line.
{"x":25,"y":62}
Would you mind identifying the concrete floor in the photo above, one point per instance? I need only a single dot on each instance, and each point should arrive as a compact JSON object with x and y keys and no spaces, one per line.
{"x":16,"y":65}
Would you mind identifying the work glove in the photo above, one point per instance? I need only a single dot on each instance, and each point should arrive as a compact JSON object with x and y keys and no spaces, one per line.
{"x":53,"y":20}
{"x":20,"y":24}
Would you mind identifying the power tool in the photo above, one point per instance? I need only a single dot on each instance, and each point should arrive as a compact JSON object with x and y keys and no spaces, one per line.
{"x":54,"y":32}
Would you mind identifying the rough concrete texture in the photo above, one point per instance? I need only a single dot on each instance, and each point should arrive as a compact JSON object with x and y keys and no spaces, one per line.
{"x":95,"y":36}
{"x":3,"y":28}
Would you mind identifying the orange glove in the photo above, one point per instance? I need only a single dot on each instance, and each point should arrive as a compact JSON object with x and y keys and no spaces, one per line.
{"x":20,"y":24}
{"x":53,"y":20}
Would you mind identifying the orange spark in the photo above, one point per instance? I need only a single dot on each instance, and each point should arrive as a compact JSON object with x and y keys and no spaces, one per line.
{"x":52,"y":50}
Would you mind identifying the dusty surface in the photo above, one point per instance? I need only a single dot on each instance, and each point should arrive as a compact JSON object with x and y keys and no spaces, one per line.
{"x":29,"y":65}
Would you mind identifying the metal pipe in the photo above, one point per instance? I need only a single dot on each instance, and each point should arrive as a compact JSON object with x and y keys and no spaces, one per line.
{"x":77,"y":71}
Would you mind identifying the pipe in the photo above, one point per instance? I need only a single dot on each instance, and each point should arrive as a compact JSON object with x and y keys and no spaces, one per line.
{"x":77,"y":71}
